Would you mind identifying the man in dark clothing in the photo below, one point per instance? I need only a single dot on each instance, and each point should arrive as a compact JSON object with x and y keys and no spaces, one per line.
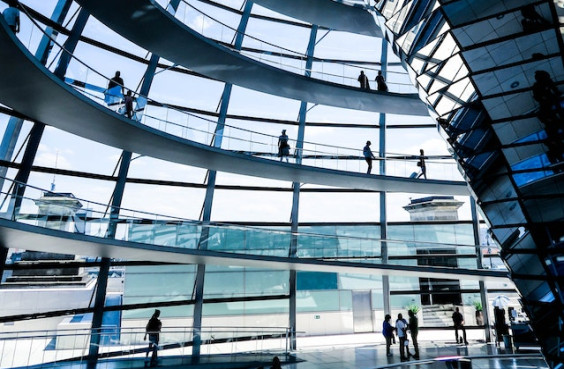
{"x":116,"y":81}
{"x":421,"y":164}
{"x":388,"y":332}
{"x":368,"y":156}
{"x":381,"y":81}
{"x":458,"y":321}
{"x":153,"y":329}
{"x":128,"y":100}
{"x":363,"y":79}
{"x":283,"y":146}
{"x":414,"y":328}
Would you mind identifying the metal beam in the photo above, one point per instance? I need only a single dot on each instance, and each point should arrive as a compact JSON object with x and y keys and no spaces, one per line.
{"x":383,"y":202}
{"x":198,"y":292}
{"x":479,"y":262}
{"x":296,"y":195}
{"x":12,"y":132}
{"x":70,"y":44}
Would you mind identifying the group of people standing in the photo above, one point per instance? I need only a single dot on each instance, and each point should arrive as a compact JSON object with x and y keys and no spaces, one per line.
{"x":365,"y":83}
{"x":411,"y":327}
{"x":402,"y":328}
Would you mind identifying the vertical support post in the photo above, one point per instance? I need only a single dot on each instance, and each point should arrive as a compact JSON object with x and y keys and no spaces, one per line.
{"x":71,"y":42}
{"x":38,"y":128}
{"x":383,"y":203}
{"x":198,"y":292}
{"x":3,"y":258}
{"x":98,"y":314}
{"x":25,"y":169}
{"x":117,"y":199}
{"x":296,"y":196}
{"x":102,"y":282}
{"x":12,"y":132}
{"x":480,"y":265}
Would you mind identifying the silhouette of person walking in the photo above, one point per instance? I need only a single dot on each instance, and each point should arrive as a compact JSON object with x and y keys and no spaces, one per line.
{"x":547,"y":95}
{"x":115,"y":89}
{"x":283,"y":146}
{"x":458,"y":321}
{"x":116,"y":81}
{"x":128,"y":100}
{"x":368,"y":156}
{"x":421,"y":164}
{"x":12,"y":16}
{"x":363,"y":79}
{"x":381,"y":81}
{"x":550,"y":114}
{"x":153,"y":330}
{"x":532,"y":21}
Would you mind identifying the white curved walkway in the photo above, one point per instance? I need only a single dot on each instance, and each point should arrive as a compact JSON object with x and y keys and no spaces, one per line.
{"x":29,"y":88}
{"x":148,"y":25}
{"x":24,"y":236}
{"x":327,"y":13}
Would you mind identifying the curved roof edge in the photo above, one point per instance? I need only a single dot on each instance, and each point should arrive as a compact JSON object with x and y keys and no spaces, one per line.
{"x":327,"y":13}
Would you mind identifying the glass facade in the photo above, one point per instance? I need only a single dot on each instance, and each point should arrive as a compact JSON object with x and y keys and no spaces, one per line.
{"x":492,"y":72}
{"x":128,"y":220}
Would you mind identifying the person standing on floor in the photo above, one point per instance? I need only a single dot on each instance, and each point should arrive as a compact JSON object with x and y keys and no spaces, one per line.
{"x":153,"y":330}
{"x":421,"y":164}
{"x":363,"y":79}
{"x":458,"y":321}
{"x":368,"y":156}
{"x":414,"y":329}
{"x":402,"y":327}
{"x":388,"y":332}
{"x":283,"y":146}
{"x":381,"y":81}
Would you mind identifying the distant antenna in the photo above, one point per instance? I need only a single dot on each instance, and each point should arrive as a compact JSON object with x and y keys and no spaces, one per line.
{"x":56,"y":162}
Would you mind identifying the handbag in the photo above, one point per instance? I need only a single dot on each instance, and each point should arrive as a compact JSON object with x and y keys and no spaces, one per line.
{"x":406,"y":343}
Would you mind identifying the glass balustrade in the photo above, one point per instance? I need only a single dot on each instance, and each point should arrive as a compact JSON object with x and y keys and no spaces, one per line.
{"x":283,"y":58}
{"x":200,"y":129}
{"x":27,"y":348}
{"x":69,"y":214}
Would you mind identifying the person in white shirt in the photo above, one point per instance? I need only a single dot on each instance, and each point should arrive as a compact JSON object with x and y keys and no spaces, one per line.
{"x":401,"y":328}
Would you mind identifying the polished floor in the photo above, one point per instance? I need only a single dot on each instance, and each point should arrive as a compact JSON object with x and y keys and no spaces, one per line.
{"x":361,"y":351}
{"x":433,"y":354}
